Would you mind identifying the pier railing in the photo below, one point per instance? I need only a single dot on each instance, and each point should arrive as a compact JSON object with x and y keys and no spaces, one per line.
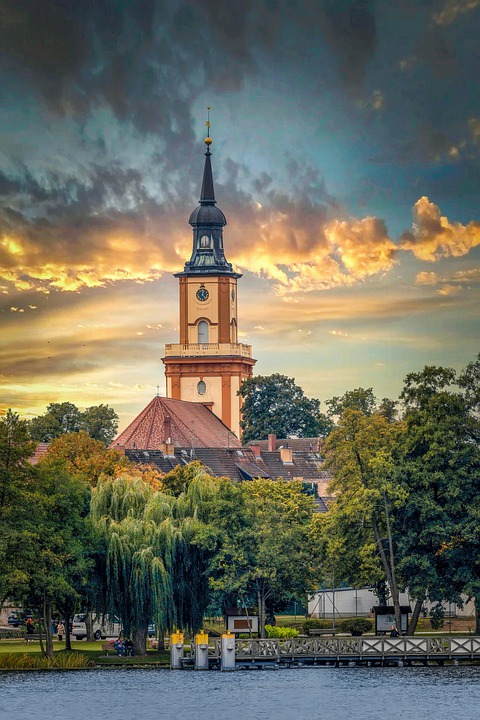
{"x":341,"y":648}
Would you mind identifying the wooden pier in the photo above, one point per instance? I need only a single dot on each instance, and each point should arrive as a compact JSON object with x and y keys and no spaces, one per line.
{"x":341,"y":651}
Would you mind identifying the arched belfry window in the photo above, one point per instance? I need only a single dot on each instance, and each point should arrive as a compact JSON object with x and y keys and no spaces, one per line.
{"x":203,"y":332}
{"x":233,"y":331}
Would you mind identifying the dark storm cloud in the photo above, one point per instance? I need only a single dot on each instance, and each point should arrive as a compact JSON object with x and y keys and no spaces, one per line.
{"x":350,"y":30}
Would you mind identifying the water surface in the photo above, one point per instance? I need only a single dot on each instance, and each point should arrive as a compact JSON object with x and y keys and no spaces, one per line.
{"x":294,"y":694}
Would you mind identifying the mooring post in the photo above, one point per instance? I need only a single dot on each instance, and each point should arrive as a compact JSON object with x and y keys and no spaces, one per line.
{"x":201,"y":651}
{"x":176,"y":651}
{"x":227,"y":660}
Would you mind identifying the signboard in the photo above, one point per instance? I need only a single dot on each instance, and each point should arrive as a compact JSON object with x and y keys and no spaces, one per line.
{"x":242,"y":623}
{"x":385,"y":618}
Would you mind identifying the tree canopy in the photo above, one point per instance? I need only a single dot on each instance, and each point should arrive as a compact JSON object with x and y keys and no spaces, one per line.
{"x":275,"y":404}
{"x":100,"y":422}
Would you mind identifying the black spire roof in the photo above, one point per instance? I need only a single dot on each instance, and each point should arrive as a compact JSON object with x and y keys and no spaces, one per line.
{"x":208,"y":221}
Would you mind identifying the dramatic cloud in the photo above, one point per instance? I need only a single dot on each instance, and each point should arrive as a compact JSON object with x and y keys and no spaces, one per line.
{"x":434,"y":236}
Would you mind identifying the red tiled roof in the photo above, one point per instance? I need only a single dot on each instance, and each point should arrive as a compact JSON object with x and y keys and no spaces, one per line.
{"x":40,"y":451}
{"x":298,"y":444}
{"x":185,"y":424}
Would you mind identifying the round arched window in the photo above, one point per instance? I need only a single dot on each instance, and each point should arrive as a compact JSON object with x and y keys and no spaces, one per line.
{"x":201,"y":388}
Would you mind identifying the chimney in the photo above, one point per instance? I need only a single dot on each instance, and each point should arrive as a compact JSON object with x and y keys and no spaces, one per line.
{"x":119,"y":448}
{"x":256,"y":450}
{"x":167,"y":429}
{"x":286,"y":455}
{"x":272,"y":442}
{"x":167,"y":449}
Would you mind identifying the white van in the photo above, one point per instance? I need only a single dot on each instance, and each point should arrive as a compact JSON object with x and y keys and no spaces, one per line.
{"x":103,"y":627}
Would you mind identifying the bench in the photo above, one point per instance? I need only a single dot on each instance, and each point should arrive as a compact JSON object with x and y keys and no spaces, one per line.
{"x":321,"y":631}
{"x":106,"y":647}
{"x":33,"y":636}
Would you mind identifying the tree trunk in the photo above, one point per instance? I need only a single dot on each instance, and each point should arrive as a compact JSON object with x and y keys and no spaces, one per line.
{"x":140,"y":640}
{"x":261,"y":613}
{"x":412,"y":625}
{"x":68,"y":624}
{"x":89,"y":626}
{"x":388,"y":572}
{"x":47,"y":621}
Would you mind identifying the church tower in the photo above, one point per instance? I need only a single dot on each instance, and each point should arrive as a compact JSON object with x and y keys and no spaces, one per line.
{"x":208,"y":364}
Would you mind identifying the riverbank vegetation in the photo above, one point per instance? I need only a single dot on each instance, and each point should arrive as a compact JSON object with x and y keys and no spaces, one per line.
{"x":86,"y":529}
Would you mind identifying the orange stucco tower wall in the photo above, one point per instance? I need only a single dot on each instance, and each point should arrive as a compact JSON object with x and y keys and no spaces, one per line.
{"x":208,"y":364}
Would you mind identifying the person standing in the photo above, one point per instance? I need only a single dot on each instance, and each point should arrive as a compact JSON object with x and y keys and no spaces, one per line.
{"x":394,"y":632}
{"x":30,"y":628}
{"x":60,"y":630}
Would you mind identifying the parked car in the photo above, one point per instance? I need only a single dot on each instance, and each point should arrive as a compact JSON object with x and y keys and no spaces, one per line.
{"x":103,"y":627}
{"x":18,"y":617}
{"x":152,"y":630}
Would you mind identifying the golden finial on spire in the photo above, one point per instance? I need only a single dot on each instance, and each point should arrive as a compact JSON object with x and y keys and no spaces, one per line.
{"x":208,"y":139}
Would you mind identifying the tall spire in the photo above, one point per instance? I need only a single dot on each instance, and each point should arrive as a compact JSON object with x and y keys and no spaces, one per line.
{"x":207,"y":194}
{"x":208,"y":221}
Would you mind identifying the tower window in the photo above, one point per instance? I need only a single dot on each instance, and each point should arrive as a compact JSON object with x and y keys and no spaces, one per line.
{"x":201,"y":388}
{"x":203,"y":332}
{"x":233,"y":332}
{"x":205,"y":241}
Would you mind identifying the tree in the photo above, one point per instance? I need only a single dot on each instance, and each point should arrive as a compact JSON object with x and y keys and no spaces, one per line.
{"x":100,"y":422}
{"x":364,"y":401}
{"x":275,"y":404}
{"x":16,"y":475}
{"x":152,"y":568}
{"x":85,"y":456}
{"x":359,"y":527}
{"x":59,"y":419}
{"x":262,"y":541}
{"x":438,"y":462}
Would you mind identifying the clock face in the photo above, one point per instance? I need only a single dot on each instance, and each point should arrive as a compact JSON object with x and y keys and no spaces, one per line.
{"x":202,"y":294}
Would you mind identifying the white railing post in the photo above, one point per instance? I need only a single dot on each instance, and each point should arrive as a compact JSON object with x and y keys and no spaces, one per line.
{"x":177,"y":650}
{"x":201,"y":651}
{"x":227,"y":658}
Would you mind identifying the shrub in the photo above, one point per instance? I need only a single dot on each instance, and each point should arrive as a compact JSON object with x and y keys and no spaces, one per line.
{"x":276,"y":631}
{"x":316,"y":624}
{"x":356,"y":625}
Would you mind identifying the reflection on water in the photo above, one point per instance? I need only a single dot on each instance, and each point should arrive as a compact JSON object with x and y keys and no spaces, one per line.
{"x":296,"y":694}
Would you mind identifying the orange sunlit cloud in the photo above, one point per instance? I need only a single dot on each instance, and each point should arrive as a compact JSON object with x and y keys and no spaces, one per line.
{"x":435,"y":237}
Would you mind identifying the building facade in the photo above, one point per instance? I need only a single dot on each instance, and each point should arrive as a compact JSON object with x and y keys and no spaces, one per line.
{"x":208,"y":364}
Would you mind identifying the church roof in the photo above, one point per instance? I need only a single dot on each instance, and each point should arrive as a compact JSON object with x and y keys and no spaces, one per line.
{"x":182,"y":423}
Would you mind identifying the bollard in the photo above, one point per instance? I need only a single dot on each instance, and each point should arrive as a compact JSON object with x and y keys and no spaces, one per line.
{"x":228,"y":652}
{"x":176,"y":651}
{"x":201,"y":651}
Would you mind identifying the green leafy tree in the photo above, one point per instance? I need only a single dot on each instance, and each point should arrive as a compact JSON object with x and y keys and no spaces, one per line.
{"x":59,"y":419}
{"x":151,"y":567}
{"x":438,"y":462}
{"x":359,"y":534}
{"x":261,"y":534}
{"x":100,"y":422}
{"x":54,"y":519}
{"x":364,"y":401}
{"x":275,"y":404}
{"x":16,"y":476}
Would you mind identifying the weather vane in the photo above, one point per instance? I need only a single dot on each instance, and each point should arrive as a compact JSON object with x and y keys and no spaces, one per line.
{"x":208,"y":139}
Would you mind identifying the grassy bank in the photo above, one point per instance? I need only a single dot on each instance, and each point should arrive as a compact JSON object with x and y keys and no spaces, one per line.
{"x":91,"y":652}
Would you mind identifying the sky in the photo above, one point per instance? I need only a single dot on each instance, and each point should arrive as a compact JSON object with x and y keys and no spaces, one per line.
{"x":346,"y":158}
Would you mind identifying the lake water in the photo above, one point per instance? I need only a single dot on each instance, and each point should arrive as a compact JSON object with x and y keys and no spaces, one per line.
{"x":295,"y":694}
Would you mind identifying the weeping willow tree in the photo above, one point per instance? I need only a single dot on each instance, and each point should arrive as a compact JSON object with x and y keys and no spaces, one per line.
{"x":153,"y":569}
